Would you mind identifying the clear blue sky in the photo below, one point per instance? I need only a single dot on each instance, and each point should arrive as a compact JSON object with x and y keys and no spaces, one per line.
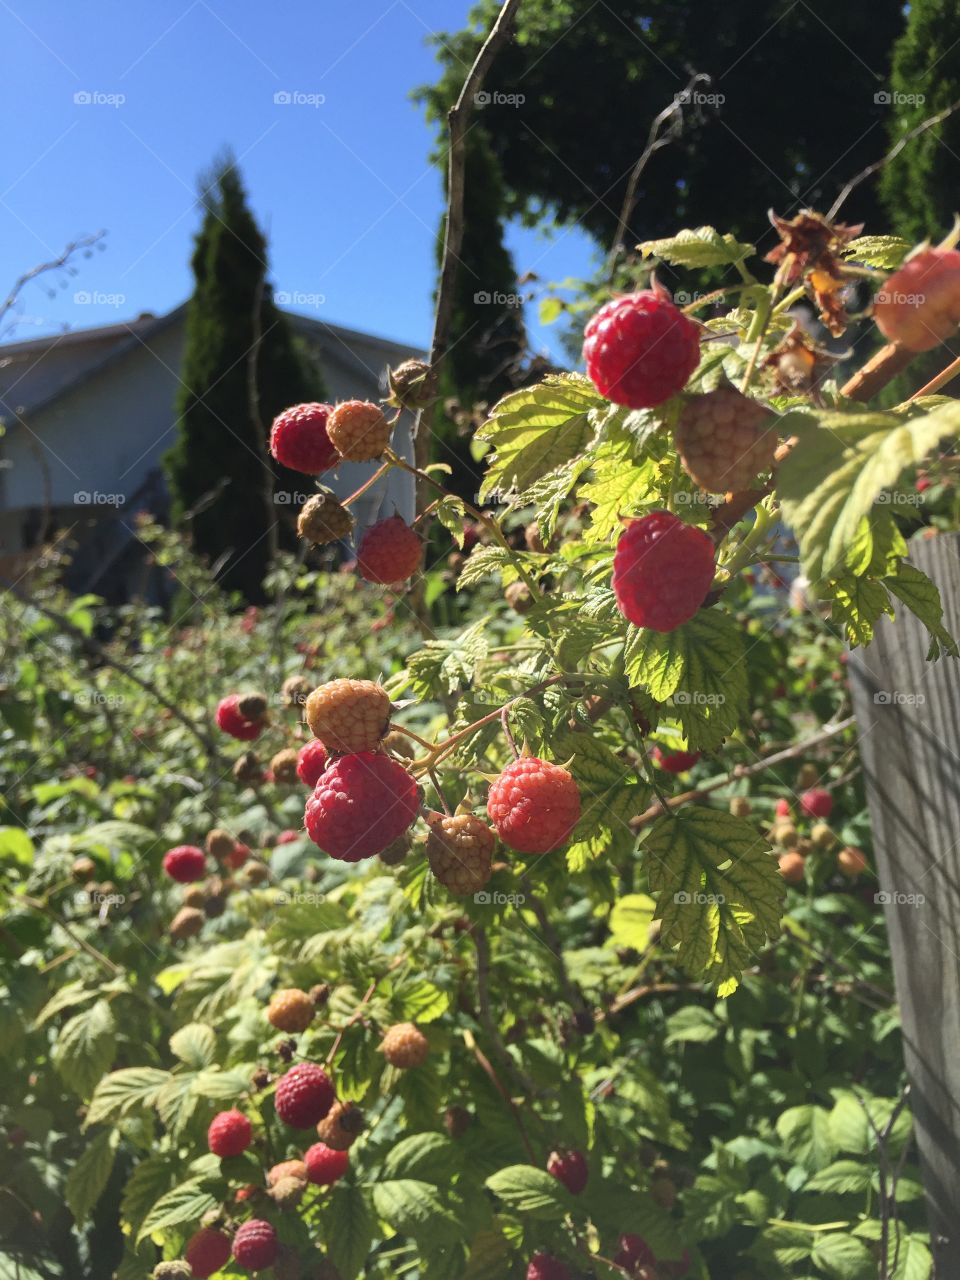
{"x":344,"y":190}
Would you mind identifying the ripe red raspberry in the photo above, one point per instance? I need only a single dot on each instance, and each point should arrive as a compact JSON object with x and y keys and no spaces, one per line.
{"x":311,"y":762}
{"x":919,"y":305}
{"x":290,"y":1010}
{"x":229,"y":1134}
{"x":640,"y":350}
{"x":782,"y":808}
{"x":635,"y":1253}
{"x":404,"y":1045}
{"x":362,"y":803}
{"x":534,"y":805}
{"x":288,"y":836}
{"x":238,"y":855}
{"x":324,"y":1165}
{"x":299,"y":440}
{"x":185,"y":863}
{"x":231,"y":720}
{"x":389,"y":552}
{"x":662,"y":571}
{"x":459,"y":850}
{"x":544,"y":1266}
{"x":675,"y":761}
{"x":359,"y":431}
{"x":207,"y":1251}
{"x":348,"y":715}
{"x":725,"y":440}
{"x":304,"y":1095}
{"x":817,"y":803}
{"x":570,"y":1168}
{"x":255,"y":1245}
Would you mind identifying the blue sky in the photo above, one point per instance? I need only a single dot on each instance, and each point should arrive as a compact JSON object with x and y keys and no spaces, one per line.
{"x":113,"y":108}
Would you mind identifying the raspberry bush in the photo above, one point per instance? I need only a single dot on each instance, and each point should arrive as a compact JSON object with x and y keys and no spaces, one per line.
{"x":510,"y":940}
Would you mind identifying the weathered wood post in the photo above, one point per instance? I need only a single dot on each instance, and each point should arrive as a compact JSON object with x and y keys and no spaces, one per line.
{"x":908,"y":718}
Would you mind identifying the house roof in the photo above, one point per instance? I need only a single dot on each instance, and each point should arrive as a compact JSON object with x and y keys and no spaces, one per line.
{"x":338,"y":341}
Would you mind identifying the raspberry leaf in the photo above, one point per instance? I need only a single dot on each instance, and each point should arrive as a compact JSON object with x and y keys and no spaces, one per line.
{"x":697,"y":247}
{"x":348,"y":1226}
{"x":414,"y":1208}
{"x":719,"y":891}
{"x":186,"y":1203}
{"x":123,"y":1092}
{"x":536,"y":430}
{"x":88,"y":1177}
{"x":530,"y":1191}
{"x":885,"y":252}
{"x":195,"y":1044}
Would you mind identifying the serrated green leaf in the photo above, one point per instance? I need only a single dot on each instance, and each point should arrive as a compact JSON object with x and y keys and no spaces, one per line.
{"x":531,"y":1191}
{"x":885,"y":252}
{"x":843,"y":1257}
{"x":195,"y":1044}
{"x":348,"y":1229}
{"x":914,"y":1260}
{"x":807,"y":1137}
{"x":414,"y":1208}
{"x":186,"y":1203}
{"x":692,"y":1025}
{"x":700,"y":669}
{"x":548,"y":493}
{"x":429,"y":1157}
{"x":483,"y":563}
{"x":842,"y":1177}
{"x":450,"y":511}
{"x":858,"y":604}
{"x":422,"y":1001}
{"x":67,"y":997}
{"x":620,"y":487}
{"x":838,"y":469}
{"x":85,"y":1047}
{"x":122,"y":1092}
{"x":535,"y":430}
{"x":148,"y":1182}
{"x":697,"y":247}
{"x":88,"y":1177}
{"x":922,"y":598}
{"x":630,"y":921}
{"x":719,"y":891}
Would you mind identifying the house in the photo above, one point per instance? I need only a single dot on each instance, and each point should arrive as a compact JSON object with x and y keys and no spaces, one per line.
{"x":87,"y":416}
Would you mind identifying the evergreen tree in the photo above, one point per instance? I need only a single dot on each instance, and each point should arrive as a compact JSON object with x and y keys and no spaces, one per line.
{"x":919,"y":186}
{"x":219,"y":469}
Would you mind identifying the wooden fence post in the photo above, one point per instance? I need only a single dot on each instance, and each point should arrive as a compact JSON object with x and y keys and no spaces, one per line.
{"x":908,"y":719}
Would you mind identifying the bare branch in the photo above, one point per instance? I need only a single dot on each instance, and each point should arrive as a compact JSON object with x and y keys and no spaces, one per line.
{"x":43,"y":268}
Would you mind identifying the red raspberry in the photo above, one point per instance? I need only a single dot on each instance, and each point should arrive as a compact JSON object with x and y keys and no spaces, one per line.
{"x":185,"y":863}
{"x":534,"y":805}
{"x":359,"y":431}
{"x":919,"y":305}
{"x":311,"y":762}
{"x":570,"y":1168}
{"x":361,"y":804}
{"x":640,"y":350}
{"x":662,"y":571}
{"x":782,"y":808}
{"x":255,"y":1245}
{"x":817,"y":803}
{"x":635,"y":1253}
{"x":299,"y":440}
{"x":288,"y":836}
{"x":389,"y":552}
{"x":544,"y":1266}
{"x":207,"y":1251}
{"x":324,"y":1165}
{"x":304,"y":1095}
{"x":230,"y":720}
{"x":675,"y":761}
{"x":725,"y":440}
{"x":238,"y":855}
{"x":229,"y":1134}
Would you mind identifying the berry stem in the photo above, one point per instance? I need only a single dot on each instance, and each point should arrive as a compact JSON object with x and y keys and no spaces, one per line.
{"x":943,"y":377}
{"x":440,"y":792}
{"x":504,"y":720}
{"x":367,"y":484}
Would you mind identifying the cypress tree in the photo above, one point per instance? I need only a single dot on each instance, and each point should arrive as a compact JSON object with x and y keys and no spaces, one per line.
{"x":919,"y":187}
{"x":219,"y":469}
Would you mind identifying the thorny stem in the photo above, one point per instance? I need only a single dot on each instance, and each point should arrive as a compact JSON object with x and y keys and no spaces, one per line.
{"x":504,"y":712}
